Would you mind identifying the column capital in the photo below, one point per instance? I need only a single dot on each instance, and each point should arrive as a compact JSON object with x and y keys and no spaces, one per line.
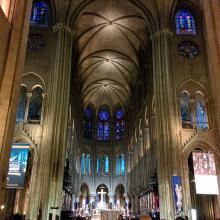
{"x":29,"y":94}
{"x":44,"y":95}
{"x":161,"y":32}
{"x":62,"y":27}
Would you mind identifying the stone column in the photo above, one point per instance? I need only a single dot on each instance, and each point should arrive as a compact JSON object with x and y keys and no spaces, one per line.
{"x":55,"y":135}
{"x":166,"y":119}
{"x":27,"y":107}
{"x":146,"y":155}
{"x":44,"y":96}
{"x":12,"y":62}
{"x":141,"y":161}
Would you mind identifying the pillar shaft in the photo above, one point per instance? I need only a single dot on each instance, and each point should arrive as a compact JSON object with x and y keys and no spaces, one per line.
{"x":56,"y":123}
{"x":166,"y":120}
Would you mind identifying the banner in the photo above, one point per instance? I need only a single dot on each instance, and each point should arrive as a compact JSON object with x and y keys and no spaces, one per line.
{"x":205,"y":173}
{"x":17,"y":165}
{"x":177,"y":194}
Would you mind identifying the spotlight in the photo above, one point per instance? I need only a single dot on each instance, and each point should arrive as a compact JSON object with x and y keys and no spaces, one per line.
{"x":2,"y":207}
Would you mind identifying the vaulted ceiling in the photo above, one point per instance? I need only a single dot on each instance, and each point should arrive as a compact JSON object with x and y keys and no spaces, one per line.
{"x":110,"y":36}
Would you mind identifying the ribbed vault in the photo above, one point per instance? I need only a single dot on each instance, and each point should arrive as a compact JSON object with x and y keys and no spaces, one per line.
{"x":110,"y":36}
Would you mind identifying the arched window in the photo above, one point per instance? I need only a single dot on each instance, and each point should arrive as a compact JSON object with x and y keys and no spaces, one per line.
{"x":201,"y":114}
{"x":87,"y":169}
{"x":35,"y":107}
{"x":119,"y":124}
{"x":185,"y":22}
{"x":22,"y":105}
{"x":186,"y":115}
{"x":39,"y":14}
{"x":120,"y":165}
{"x":88,"y":124}
{"x":103,"y":126}
{"x":82,"y":164}
{"x":106,"y":165}
{"x":85,"y":164}
{"x":98,"y":166}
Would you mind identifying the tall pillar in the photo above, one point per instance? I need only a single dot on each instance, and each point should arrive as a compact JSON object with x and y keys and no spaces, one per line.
{"x":165,"y":119}
{"x":27,"y":107}
{"x":141,"y":162}
{"x":55,"y":133}
{"x":15,"y":35}
{"x":44,"y":96}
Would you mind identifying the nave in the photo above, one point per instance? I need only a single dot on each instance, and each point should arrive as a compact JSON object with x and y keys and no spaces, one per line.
{"x":109,"y":108}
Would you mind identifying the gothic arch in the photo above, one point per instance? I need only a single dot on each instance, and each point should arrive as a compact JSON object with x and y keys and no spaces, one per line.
{"x":31,"y":80}
{"x":103,"y":183}
{"x":32,"y":190}
{"x":20,"y":137}
{"x":86,"y":150}
{"x":201,"y":144}
{"x":186,"y":179}
{"x":192,"y":86}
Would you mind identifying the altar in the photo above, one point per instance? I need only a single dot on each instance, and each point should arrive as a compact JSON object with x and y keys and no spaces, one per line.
{"x":110,"y":215}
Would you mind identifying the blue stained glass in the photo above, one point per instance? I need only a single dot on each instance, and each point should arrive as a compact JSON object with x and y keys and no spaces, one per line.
{"x":89,"y":112}
{"x":104,"y":115}
{"x":39,"y":15}
{"x":123,"y":165}
{"x":82,"y":164}
{"x":119,"y":113}
{"x":100,"y":131}
{"x":103,"y":128}
{"x":87,"y":163}
{"x":185,"y":22}
{"x":120,"y":165}
{"x":119,"y":124}
{"x":201,"y":117}
{"x":106,"y":131}
{"x":106,"y":164}
{"x":98,"y":166}
{"x":88,"y":125}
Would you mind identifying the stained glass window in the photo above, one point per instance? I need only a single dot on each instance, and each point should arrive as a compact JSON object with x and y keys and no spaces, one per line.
{"x":103,"y":125}
{"x":98,"y":166}
{"x":87,"y":167}
{"x":185,"y":22}
{"x":82,"y":164}
{"x":85,"y":164}
{"x":88,"y":123}
{"x":106,"y":164}
{"x":186,"y":115}
{"x":119,"y":124}
{"x":22,"y":105}
{"x":120,"y":165}
{"x":201,"y":114}
{"x":39,"y":15}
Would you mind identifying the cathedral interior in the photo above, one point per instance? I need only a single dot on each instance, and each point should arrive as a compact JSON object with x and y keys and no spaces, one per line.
{"x":109,"y":106}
